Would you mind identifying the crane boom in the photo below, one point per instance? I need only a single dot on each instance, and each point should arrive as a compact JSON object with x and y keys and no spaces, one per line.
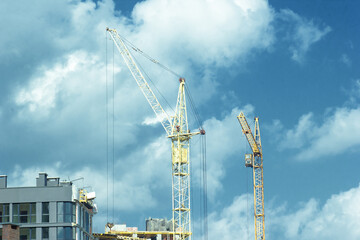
{"x":255,"y":160}
{"x":248,"y":134}
{"x":178,"y":131}
{"x":141,"y":81}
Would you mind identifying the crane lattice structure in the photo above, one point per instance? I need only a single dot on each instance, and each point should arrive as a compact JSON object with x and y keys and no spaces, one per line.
{"x":177,"y":130}
{"x":255,"y":161}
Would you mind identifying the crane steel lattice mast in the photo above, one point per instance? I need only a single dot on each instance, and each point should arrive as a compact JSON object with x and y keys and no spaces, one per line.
{"x":177,"y":130}
{"x":255,"y":160}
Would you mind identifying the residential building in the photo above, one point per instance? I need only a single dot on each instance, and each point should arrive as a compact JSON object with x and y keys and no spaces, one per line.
{"x":52,"y":209}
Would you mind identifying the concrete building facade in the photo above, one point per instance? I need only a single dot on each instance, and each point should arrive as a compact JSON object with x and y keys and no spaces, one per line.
{"x":53,"y":209}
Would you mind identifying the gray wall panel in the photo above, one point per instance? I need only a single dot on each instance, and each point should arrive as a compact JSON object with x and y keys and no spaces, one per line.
{"x":35,"y":194}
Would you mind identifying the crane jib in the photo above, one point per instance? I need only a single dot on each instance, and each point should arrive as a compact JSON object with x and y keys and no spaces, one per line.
{"x":141,"y":81}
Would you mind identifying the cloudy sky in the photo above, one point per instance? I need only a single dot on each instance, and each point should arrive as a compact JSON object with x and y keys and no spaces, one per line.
{"x":291,"y":63}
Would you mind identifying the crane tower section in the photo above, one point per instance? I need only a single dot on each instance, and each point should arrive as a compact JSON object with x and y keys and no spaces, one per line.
{"x":177,"y":130}
{"x":255,"y":161}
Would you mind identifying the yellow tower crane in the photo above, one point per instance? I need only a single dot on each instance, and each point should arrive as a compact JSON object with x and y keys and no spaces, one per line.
{"x":255,"y":161}
{"x":177,"y":130}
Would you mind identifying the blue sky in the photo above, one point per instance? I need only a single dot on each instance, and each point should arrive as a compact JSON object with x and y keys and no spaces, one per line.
{"x":292,"y":63}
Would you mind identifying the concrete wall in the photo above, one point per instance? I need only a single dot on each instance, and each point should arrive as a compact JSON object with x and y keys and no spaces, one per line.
{"x":35,"y":194}
{"x":162,"y":225}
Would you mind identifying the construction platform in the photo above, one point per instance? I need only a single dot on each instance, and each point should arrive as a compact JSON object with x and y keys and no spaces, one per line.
{"x":138,"y":235}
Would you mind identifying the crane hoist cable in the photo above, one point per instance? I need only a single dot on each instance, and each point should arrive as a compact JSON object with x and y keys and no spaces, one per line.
{"x":108,"y":175}
{"x":107,"y":130}
{"x":113,"y":133}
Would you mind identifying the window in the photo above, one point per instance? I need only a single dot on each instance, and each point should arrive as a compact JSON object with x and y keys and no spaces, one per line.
{"x":24,"y":213}
{"x":66,"y":233}
{"x":45,"y":212}
{"x":45,"y":233}
{"x":86,"y":221}
{"x":80,"y":213}
{"x":66,"y":212}
{"x":4,"y":213}
{"x":27,"y":233}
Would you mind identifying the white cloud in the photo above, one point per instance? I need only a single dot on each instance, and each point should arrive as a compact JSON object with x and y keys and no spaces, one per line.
{"x":204,"y":31}
{"x":154,"y":120}
{"x":346,"y":60}
{"x":233,"y":220}
{"x":72,"y":84}
{"x":40,"y":97}
{"x":337,"y":134}
{"x":305,"y":33}
{"x":31,"y":29}
{"x":297,"y":137}
{"x":65,"y":98}
{"x":338,"y":218}
{"x":354,"y":93}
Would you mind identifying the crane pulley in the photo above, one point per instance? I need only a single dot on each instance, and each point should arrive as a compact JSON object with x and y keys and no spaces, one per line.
{"x":255,"y":161}
{"x":177,"y":130}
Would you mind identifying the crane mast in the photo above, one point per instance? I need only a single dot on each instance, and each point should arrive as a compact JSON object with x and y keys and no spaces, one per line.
{"x":177,"y":130}
{"x":255,"y":161}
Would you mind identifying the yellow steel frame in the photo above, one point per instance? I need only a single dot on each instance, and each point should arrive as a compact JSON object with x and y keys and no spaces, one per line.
{"x":258,"y":180}
{"x":178,"y":131}
{"x":82,"y":196}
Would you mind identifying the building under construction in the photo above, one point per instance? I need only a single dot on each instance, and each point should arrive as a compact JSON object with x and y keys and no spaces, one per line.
{"x":156,"y":229}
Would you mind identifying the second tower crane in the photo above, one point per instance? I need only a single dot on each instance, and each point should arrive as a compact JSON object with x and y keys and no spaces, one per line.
{"x":255,"y":161}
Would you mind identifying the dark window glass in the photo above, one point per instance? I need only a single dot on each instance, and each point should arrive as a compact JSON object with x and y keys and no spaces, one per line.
{"x":60,"y":212}
{"x":33,"y":233}
{"x":45,"y":233}
{"x":45,"y":212}
{"x":27,"y":233}
{"x":4,"y":213}
{"x":24,"y":213}
{"x":68,"y":232}
{"x":86,"y":221}
{"x":66,"y":212}
{"x":60,"y":233}
{"x":81,"y":211}
{"x":65,"y":233}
